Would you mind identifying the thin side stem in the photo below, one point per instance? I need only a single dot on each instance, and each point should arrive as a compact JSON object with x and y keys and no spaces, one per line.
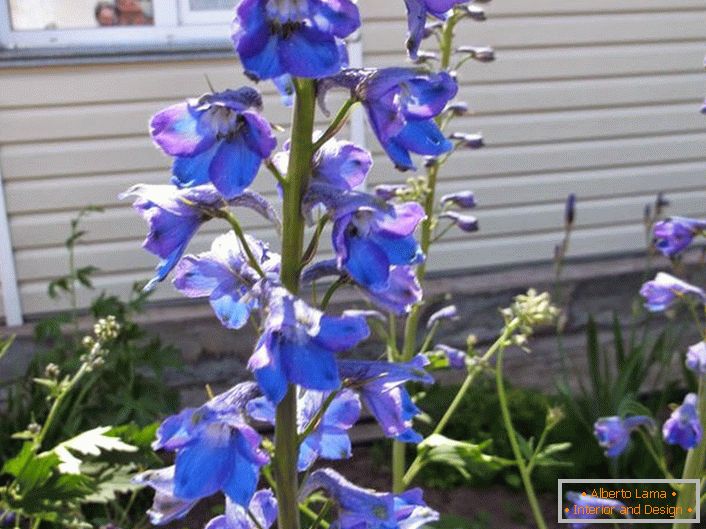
{"x":500,"y":343}
{"x":238,"y":230}
{"x":337,"y":124}
{"x":519,"y":458}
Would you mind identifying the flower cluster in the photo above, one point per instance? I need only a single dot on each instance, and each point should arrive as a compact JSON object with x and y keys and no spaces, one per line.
{"x":218,"y":143}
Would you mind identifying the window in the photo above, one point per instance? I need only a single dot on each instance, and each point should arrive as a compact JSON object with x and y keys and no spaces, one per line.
{"x":66,"y":23}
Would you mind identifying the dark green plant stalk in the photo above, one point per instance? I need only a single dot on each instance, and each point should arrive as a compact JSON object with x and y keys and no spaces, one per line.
{"x":286,"y":438}
{"x":412,"y":324}
{"x":694,"y":465}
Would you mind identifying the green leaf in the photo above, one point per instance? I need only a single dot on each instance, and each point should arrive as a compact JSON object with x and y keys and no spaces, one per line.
{"x":5,"y":344}
{"x":29,"y":469}
{"x":467,"y":459}
{"x":92,"y":443}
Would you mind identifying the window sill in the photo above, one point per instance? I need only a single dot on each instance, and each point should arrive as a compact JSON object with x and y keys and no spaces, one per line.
{"x":38,"y":57}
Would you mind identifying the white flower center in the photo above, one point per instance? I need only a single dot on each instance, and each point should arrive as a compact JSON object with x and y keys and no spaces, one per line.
{"x":287,"y":10}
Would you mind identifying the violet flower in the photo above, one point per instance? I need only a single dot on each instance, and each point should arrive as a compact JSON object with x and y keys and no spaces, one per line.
{"x":225,"y":275}
{"x":263,"y":507}
{"x":461,"y":199}
{"x":381,"y":387}
{"x":696,"y":358}
{"x":329,"y":439}
{"x":466,"y":223}
{"x":298,"y":345}
{"x":613,"y":433}
{"x":297,"y":37}
{"x":455,"y":357}
{"x":174,"y":215}
{"x":368,"y":242}
{"x":218,"y":137}
{"x":683,"y":427}
{"x":216,"y":450}
{"x":360,"y":508}
{"x":401,"y":104}
{"x":672,"y":236}
{"x":417,"y":13}
{"x":665,"y":289}
{"x":402,"y":292}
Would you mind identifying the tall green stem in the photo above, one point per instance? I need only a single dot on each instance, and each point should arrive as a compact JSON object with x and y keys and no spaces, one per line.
{"x":519,"y":458}
{"x":286,"y":438}
{"x":412,"y":324}
{"x":694,"y":465}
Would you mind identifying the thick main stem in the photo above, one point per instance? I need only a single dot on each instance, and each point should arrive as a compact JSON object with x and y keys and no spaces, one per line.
{"x":286,"y":438}
{"x":412,"y":324}
{"x":694,"y":466}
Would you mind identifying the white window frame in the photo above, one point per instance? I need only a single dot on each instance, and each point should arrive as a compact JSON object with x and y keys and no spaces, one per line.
{"x":174,"y":25}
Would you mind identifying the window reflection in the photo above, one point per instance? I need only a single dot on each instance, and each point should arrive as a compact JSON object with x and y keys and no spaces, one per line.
{"x":79,"y":14}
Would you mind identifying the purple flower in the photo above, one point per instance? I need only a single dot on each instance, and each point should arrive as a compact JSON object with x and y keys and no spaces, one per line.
{"x":360,"y":508}
{"x":368,"y":242}
{"x":613,"y":433}
{"x":263,"y":508}
{"x":401,"y":294}
{"x":166,"y":507}
{"x":672,"y":236}
{"x":696,"y":358}
{"x":340,"y":164}
{"x":665,"y":289}
{"x":417,"y":12}
{"x":400,"y":103}
{"x":329,"y":439}
{"x":683,"y":427}
{"x":455,"y":357}
{"x":215,"y":449}
{"x":381,"y":387}
{"x":217,"y":137}
{"x":584,"y":507}
{"x":174,"y":215}
{"x":462,"y":199}
{"x":465,"y":223}
{"x":389,"y":191}
{"x":225,"y":276}
{"x":297,"y":37}
{"x":298,"y":345}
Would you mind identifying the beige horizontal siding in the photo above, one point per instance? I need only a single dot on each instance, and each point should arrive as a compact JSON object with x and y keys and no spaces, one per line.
{"x":597,"y":97}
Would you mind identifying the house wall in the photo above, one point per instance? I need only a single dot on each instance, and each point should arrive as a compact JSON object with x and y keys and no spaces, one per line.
{"x":597,"y":97}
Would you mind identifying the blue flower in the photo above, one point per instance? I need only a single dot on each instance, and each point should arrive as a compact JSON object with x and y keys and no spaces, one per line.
{"x":455,"y":357}
{"x":218,"y":137}
{"x":672,"y":236}
{"x":329,"y":439}
{"x":466,"y":223}
{"x":613,"y":433}
{"x":400,"y":104}
{"x":225,"y":276}
{"x":417,"y":12}
{"x":381,"y":387}
{"x":263,"y":508}
{"x":586,"y":507}
{"x":683,"y":427}
{"x":166,"y":507}
{"x":368,"y":242}
{"x":360,"y":508}
{"x":297,"y":37}
{"x":696,"y":358}
{"x":216,"y":450}
{"x":403,"y":290}
{"x":665,"y":289}
{"x":340,"y":164}
{"x":174,"y":215}
{"x":298,"y":344}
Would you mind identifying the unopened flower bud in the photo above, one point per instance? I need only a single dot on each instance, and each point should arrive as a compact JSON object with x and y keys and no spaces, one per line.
{"x":478,"y":53}
{"x":426,"y":56}
{"x":570,"y":210}
{"x":473,"y":12}
{"x":469,"y":141}
{"x":459,"y":108}
{"x":34,"y":428}
{"x":52,"y":371}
